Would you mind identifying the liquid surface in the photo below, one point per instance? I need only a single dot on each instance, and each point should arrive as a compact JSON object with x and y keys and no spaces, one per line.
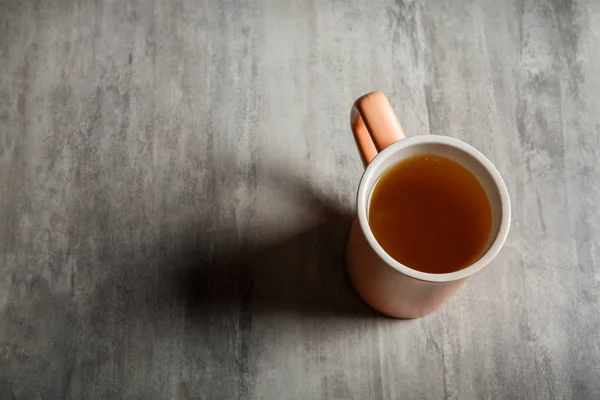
{"x":431,"y":214}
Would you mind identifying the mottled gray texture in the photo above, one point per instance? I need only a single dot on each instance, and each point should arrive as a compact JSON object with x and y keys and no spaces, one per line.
{"x":175,"y":179}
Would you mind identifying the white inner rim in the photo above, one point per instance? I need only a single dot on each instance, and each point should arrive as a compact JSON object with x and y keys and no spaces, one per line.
{"x":501,"y":207}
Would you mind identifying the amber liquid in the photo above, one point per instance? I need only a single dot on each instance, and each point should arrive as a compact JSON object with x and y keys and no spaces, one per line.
{"x":431,"y":214}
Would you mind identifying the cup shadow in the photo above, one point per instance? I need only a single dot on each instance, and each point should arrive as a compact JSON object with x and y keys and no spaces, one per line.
{"x":302,"y":274}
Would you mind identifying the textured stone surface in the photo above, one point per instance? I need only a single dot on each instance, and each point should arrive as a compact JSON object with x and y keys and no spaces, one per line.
{"x":175,"y":179}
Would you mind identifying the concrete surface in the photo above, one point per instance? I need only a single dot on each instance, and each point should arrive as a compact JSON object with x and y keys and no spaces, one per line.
{"x":175,"y":178}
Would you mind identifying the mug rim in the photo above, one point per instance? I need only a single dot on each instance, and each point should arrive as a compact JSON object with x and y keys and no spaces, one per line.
{"x":485,"y":259}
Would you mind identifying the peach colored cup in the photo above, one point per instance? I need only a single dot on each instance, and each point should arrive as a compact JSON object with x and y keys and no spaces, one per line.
{"x":385,"y":284}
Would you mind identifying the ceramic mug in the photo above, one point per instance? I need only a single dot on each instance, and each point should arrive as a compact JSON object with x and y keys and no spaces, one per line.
{"x":385,"y":284}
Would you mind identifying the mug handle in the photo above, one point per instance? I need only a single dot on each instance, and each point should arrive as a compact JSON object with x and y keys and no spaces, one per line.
{"x":374,"y":125}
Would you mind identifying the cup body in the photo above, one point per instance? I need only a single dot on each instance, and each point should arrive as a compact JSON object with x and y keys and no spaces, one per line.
{"x":391,"y":287}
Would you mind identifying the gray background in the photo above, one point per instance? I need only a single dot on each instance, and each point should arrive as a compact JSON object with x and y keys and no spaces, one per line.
{"x":176,"y":179}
